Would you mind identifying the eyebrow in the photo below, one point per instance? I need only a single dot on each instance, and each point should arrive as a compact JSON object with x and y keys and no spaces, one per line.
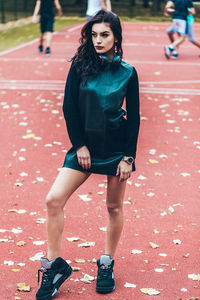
{"x":102,"y":31}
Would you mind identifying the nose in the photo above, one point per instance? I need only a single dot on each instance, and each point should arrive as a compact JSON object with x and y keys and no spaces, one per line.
{"x":98,"y":39}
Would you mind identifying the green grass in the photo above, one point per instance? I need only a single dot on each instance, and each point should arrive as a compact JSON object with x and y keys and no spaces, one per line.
{"x":16,"y":36}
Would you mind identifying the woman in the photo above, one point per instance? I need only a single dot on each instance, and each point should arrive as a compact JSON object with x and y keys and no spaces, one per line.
{"x":103,"y":142}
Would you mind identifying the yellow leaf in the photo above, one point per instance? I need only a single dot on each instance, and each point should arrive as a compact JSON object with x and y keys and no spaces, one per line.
{"x":30,"y":136}
{"x":80,"y":260}
{"x":153,"y":161}
{"x":76,"y":268}
{"x":21,"y":243}
{"x":22,"y":287}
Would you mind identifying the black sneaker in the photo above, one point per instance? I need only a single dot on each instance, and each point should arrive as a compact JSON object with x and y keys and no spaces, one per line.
{"x":105,"y":276}
{"x":174,"y":54}
{"x":40,"y":48}
{"x":54,"y":274}
{"x":47,"y":51}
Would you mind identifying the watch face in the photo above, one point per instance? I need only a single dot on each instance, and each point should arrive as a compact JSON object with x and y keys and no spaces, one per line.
{"x":130,"y":160}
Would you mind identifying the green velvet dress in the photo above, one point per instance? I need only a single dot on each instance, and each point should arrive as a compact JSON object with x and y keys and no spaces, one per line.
{"x":95,"y":117}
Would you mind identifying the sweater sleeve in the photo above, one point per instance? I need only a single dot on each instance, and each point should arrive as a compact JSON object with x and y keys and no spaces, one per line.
{"x":133,"y":115}
{"x":70,"y":109}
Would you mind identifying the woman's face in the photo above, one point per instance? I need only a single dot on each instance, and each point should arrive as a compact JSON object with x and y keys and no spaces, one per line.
{"x":103,"y":38}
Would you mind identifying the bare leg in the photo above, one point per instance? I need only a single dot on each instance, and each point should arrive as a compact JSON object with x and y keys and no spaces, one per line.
{"x":41,"y":38}
{"x":171,"y":36}
{"x":115,"y":195}
{"x":196,"y":43}
{"x":67,"y":181}
{"x":48,"y":39}
{"x":179,"y":41}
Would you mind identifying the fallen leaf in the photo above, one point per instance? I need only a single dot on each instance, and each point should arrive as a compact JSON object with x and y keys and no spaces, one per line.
{"x":194,"y":276}
{"x":37,"y":256}
{"x":87,"y":278}
{"x":76,"y":269}
{"x":149,"y":291}
{"x":177,"y":242}
{"x":22,"y":287}
{"x":73,"y":239}
{"x":38,"y":243}
{"x":135,"y":251}
{"x":80,"y":260}
{"x":159,"y":270}
{"x":154,"y":246}
{"x":153,"y":161}
{"x":8,"y":262}
{"x":129,"y":285}
{"x":85,"y":198}
{"x":21,"y":243}
{"x":87,"y":244}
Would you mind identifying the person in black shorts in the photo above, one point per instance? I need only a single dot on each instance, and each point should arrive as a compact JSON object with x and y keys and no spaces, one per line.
{"x":101,"y":110}
{"x":46,"y":8}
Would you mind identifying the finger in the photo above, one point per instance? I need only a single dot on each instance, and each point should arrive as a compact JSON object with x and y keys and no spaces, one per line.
{"x":89,"y":162}
{"x":117,"y":173}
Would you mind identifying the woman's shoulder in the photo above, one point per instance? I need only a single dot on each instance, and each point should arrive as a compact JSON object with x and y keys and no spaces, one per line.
{"x":129,"y":68}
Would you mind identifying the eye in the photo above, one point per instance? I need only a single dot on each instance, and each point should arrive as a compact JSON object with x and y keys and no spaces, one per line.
{"x":105,"y":35}
{"x":94,"y":34}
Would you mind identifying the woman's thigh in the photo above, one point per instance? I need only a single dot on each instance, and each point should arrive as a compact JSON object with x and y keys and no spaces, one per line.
{"x":115,"y":192}
{"x":67,"y":181}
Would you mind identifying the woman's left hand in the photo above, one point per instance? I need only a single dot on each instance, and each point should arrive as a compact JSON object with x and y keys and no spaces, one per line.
{"x":124,"y":170}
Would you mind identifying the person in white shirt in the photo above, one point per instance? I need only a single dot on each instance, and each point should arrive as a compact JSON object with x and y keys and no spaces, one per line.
{"x":94,"y":6}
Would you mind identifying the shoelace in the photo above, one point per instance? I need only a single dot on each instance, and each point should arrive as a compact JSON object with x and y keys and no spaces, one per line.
{"x":46,"y":278}
{"x":104,"y":271}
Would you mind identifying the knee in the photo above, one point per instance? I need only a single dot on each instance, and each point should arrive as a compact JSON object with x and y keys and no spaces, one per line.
{"x":114,"y":211}
{"x":53,"y":202}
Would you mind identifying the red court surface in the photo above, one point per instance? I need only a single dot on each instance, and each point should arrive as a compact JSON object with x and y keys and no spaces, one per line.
{"x":162,"y":201}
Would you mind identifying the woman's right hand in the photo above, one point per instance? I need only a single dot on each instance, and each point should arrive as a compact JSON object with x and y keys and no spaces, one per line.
{"x":83,"y":156}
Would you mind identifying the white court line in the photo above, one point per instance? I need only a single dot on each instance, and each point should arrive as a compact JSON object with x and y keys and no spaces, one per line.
{"x":170,"y":82}
{"x":75,"y":28}
{"x":18,"y":47}
{"x":33,"y":81}
{"x":169,"y":62}
{"x":59,"y":86}
{"x":34,"y":41}
{"x":132,"y":62}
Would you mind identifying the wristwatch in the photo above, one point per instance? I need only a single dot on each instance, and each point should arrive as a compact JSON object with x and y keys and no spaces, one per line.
{"x":129,"y":159}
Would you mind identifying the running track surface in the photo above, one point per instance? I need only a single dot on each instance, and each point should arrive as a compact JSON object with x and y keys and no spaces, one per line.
{"x":161,"y":204}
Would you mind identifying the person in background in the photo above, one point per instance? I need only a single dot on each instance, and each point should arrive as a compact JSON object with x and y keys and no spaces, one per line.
{"x":189,"y":31}
{"x":93,"y":6}
{"x":190,"y":24}
{"x":108,"y":5}
{"x":104,"y":138}
{"x":46,"y":9}
{"x":179,"y":8}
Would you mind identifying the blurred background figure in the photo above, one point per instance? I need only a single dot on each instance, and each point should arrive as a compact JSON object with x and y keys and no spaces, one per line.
{"x":108,"y":5}
{"x":93,"y":6}
{"x":190,"y":24}
{"x":179,"y":8}
{"x":189,"y":31}
{"x":46,"y":9}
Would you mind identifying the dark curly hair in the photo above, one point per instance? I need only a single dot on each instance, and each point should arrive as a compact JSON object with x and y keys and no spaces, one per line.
{"x":86,"y":59}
